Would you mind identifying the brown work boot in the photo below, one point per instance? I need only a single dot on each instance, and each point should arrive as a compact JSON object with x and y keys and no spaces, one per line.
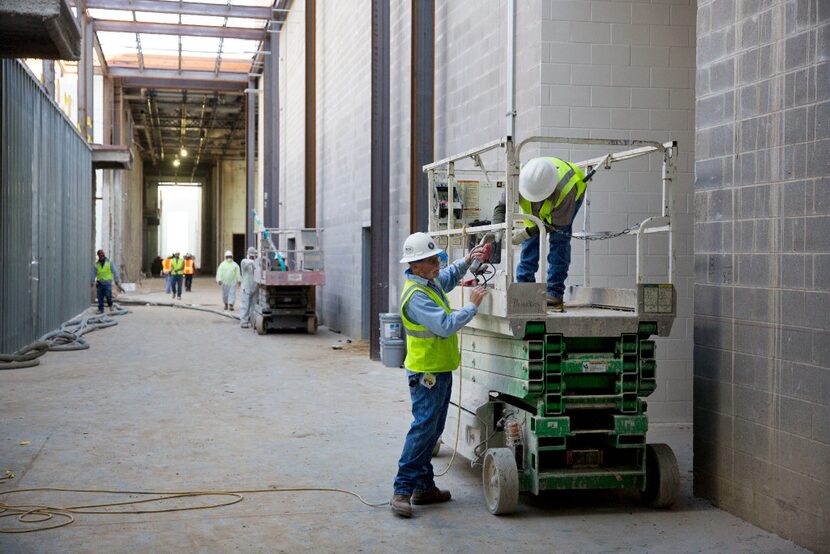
{"x":432,"y":496}
{"x":556,"y":304}
{"x":400,"y":505}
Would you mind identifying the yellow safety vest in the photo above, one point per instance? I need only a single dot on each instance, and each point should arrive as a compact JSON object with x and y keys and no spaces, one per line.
{"x":176,"y":266}
{"x":103,"y":273}
{"x":426,"y":352}
{"x":559,"y":214}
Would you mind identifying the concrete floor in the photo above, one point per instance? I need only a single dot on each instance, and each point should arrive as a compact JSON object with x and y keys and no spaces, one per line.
{"x":179,"y":399}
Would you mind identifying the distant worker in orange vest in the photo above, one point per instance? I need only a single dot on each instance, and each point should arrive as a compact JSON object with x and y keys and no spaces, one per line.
{"x":189,"y":270}
{"x":165,"y":270}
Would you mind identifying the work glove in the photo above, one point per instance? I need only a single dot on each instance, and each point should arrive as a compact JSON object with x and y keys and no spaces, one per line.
{"x":519,"y":236}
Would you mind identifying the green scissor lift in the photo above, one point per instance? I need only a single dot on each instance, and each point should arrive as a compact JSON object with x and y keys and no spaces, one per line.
{"x":551,"y":400}
{"x":576,"y":408}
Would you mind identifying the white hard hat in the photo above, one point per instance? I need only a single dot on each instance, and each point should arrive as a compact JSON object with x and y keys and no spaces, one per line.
{"x":419,"y":246}
{"x":251,"y":250}
{"x":537,"y":179}
{"x":228,"y":254}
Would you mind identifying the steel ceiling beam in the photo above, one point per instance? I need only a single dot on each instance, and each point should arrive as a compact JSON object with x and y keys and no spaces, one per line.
{"x":180,"y":84}
{"x":177,"y":29}
{"x":129,"y":72}
{"x":184,"y":8}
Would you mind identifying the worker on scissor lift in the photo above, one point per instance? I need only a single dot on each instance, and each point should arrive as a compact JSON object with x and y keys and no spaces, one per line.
{"x":432,"y":355}
{"x":552,"y":190}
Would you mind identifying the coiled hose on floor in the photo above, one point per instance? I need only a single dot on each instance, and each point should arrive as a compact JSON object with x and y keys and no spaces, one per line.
{"x":66,"y":337}
{"x":69,"y":335}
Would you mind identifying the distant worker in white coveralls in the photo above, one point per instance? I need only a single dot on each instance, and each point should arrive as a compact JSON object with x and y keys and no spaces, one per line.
{"x":228,"y":275}
{"x":248,"y":289}
{"x":432,"y":355}
{"x":552,"y":190}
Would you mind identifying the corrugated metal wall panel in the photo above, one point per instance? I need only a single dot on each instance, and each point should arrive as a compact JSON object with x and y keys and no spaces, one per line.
{"x":45,"y":212}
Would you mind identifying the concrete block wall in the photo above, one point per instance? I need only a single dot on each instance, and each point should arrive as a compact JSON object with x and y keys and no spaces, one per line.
{"x":471,"y":72}
{"x":232,"y":202}
{"x":400,"y":29}
{"x":625,"y":69}
{"x":470,"y":95}
{"x":343,"y":156}
{"x":131,"y":184}
{"x":292,"y":117}
{"x":762,"y":260}
{"x":470,"y":103}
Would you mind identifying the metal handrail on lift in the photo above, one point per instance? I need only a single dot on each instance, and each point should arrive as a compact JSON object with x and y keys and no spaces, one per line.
{"x":446,"y":168}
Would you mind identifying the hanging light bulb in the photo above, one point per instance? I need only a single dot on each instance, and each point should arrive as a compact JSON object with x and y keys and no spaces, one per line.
{"x":183,"y":152}
{"x":176,"y":162}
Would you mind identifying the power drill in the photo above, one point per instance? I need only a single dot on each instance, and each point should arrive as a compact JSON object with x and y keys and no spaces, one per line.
{"x":478,"y":265}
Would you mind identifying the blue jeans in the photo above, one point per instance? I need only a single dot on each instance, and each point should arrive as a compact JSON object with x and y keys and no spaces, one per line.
{"x":168,"y":282}
{"x":104,"y":289}
{"x":176,"y":284}
{"x":559,"y":258}
{"x":429,"y":410}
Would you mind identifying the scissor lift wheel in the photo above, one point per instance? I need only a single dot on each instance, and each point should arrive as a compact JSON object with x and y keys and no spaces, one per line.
{"x":437,"y":448}
{"x":662,"y":476}
{"x":259,"y":324}
{"x":311,"y":325}
{"x":501,"y":481}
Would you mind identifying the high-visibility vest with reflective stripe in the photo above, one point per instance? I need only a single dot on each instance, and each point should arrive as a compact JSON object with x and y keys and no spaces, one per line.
{"x":569,"y":188}
{"x":165,"y":265}
{"x":176,"y":266}
{"x":188,"y":267}
{"x":426,"y":352}
{"x":103,"y":273}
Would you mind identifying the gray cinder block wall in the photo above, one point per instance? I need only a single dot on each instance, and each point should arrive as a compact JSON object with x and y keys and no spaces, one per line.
{"x":589,"y":68}
{"x":762,"y":264}
{"x":625,"y":69}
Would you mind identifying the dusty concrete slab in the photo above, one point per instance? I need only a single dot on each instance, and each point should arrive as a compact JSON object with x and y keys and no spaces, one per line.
{"x":176,"y":399}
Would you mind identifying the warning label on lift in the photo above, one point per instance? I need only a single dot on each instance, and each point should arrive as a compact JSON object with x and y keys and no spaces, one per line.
{"x":594,"y":367}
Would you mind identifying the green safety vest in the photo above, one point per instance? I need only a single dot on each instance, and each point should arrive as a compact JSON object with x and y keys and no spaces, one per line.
{"x":426,"y":352}
{"x":570,"y":188}
{"x":103,"y":273}
{"x":176,"y":266}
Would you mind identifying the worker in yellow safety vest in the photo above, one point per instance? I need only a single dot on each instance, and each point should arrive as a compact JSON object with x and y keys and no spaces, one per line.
{"x":176,"y":275}
{"x":431,"y":356}
{"x":103,"y":276}
{"x":189,"y":270}
{"x":552,"y":190}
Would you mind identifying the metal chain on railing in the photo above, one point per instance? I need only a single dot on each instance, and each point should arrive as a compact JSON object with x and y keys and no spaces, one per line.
{"x":602,"y":235}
